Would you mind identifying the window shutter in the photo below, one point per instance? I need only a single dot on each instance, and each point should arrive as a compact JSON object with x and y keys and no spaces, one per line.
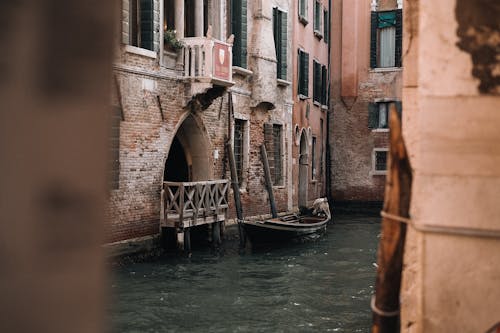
{"x":146,"y":9}
{"x":373,"y":39}
{"x":316,"y":81}
{"x":239,"y":29}
{"x":399,"y":37}
{"x":306,"y":74}
{"x":301,"y":72}
{"x":324,"y":85}
{"x":326,"y":26}
{"x":277,"y":41}
{"x":373,"y":115}
{"x":283,"y":41}
{"x":399,"y":109}
{"x":244,"y":33}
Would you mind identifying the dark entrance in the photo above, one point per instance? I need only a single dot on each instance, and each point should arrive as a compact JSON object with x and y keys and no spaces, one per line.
{"x":176,"y":166}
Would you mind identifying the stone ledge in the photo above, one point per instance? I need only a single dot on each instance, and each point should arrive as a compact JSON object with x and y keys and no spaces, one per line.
{"x":140,"y":51}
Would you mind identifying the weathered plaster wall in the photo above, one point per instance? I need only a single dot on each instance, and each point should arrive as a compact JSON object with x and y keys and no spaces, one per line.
{"x":450,"y":281}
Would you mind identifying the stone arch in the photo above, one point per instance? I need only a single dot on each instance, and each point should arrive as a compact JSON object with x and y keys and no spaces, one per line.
{"x":191,"y":143}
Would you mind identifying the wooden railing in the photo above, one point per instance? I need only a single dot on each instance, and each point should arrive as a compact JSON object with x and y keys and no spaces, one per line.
{"x":185,"y":204}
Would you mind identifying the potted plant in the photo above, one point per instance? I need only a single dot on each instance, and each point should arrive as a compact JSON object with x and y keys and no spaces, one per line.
{"x":171,"y":41}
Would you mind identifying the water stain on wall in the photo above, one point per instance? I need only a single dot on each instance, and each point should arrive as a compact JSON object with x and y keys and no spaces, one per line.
{"x":479,"y":35}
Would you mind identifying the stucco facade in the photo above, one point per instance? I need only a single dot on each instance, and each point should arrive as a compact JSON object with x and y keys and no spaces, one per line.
{"x":451,"y":272}
{"x":309,"y":115}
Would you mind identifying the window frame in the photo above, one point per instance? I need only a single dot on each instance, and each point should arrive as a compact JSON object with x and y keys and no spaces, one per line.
{"x":375,"y":46}
{"x":303,"y":74}
{"x":303,"y":15}
{"x":281,"y":45}
{"x":317,"y":19}
{"x":374,"y":171}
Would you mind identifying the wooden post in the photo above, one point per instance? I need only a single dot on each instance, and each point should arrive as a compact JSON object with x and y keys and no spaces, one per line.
{"x":385,"y":306}
{"x":187,"y":240}
{"x":236,"y":192}
{"x":269,"y":182}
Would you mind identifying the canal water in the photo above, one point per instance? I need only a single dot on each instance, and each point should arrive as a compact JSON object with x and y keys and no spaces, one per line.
{"x":320,"y":286}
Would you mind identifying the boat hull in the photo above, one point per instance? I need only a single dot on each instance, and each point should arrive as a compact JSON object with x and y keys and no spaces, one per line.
{"x":276,"y":231}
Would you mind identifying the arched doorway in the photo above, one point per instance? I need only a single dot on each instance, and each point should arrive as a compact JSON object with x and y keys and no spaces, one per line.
{"x":303,"y":170}
{"x":188,"y":156}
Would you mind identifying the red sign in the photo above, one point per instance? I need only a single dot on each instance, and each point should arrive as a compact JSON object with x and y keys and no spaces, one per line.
{"x":221,"y":61}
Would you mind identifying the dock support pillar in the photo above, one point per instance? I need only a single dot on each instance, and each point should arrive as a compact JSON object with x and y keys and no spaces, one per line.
{"x":216,"y":239}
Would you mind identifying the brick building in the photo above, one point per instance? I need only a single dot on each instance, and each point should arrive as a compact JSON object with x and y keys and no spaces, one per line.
{"x":182,"y":87}
{"x":366,"y":79}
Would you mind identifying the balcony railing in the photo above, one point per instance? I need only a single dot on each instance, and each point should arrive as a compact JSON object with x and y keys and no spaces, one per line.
{"x":186,"y":204}
{"x":207,"y":60}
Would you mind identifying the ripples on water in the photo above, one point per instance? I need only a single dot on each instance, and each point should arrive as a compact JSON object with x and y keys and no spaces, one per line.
{"x":318,"y":286}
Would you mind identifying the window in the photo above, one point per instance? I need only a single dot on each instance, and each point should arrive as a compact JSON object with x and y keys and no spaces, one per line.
{"x":386,"y":39}
{"x":317,"y":18}
{"x":303,"y":74}
{"x":378,"y":114}
{"x":169,"y":15}
{"x":303,"y":11}
{"x":379,"y":161}
{"x":114,"y":148}
{"x":141,"y":23}
{"x":324,"y":86}
{"x":326,"y":26}
{"x":313,"y":158}
{"x":239,"y":147}
{"x":317,"y":81}
{"x":273,"y":140}
{"x":239,"y":29}
{"x":280,"y":41}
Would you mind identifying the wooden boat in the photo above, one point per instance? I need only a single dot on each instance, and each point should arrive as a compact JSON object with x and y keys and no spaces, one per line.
{"x":286,"y":228}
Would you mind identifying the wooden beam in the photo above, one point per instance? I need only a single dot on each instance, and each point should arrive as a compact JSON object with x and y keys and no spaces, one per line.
{"x":269,"y":182}
{"x":236,"y":192}
{"x":385,"y":306}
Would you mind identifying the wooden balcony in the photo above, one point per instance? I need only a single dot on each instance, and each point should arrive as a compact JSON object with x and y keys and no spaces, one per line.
{"x":188,"y":204}
{"x":207,"y":62}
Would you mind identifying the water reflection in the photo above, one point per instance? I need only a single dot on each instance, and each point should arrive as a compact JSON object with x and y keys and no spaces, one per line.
{"x":320,"y":286}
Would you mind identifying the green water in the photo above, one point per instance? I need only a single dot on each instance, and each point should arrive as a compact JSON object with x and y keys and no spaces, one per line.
{"x":321,"y":286}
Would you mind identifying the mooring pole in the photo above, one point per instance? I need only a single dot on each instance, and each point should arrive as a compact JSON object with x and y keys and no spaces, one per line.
{"x":236,"y":193}
{"x":385,"y":302}
{"x":269,"y":182}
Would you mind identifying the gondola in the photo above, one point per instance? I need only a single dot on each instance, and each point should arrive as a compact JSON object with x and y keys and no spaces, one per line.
{"x":287,"y":228}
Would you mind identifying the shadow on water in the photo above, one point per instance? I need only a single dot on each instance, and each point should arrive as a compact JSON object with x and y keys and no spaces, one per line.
{"x":324,"y":285}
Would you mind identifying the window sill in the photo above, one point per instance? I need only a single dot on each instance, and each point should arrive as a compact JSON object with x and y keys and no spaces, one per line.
{"x":283,"y":83}
{"x":303,"y":97}
{"x":303,"y":20}
{"x":279,"y":187}
{"x":386,"y":69}
{"x":380,"y":130}
{"x":242,"y":71}
{"x":324,"y":107}
{"x":317,"y":103}
{"x":378,"y":173}
{"x":140,"y":51}
{"x":318,"y":34}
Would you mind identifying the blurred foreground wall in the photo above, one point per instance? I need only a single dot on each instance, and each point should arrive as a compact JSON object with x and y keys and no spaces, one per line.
{"x":451,"y":126}
{"x":54,"y":98}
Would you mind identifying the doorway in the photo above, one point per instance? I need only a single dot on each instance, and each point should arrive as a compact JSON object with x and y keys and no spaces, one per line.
{"x":303,"y":170}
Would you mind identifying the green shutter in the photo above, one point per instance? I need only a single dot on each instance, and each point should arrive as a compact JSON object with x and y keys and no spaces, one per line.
{"x":326,"y":25}
{"x":277,"y":43}
{"x":317,"y":81}
{"x":399,"y":109}
{"x":239,"y":29}
{"x":324,"y":85}
{"x":300,"y":64}
{"x":283,"y":46}
{"x":373,"y":115}
{"x":306,"y":74}
{"x":373,"y":39}
{"x":146,"y":8}
{"x":244,"y":33}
